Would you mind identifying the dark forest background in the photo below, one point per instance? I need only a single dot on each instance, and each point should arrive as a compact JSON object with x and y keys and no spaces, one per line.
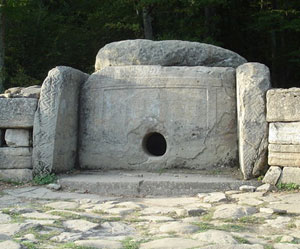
{"x":37,"y":35}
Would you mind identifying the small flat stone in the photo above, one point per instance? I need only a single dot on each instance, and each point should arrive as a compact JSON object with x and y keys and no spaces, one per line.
{"x":195,"y":211}
{"x":130,"y":204}
{"x":297,"y":223}
{"x":41,"y":222}
{"x":250,"y":202}
{"x":116,"y":229}
{"x":287,"y":239}
{"x":247,"y":188}
{"x":272,"y":176}
{"x":36,"y":215}
{"x":30,"y":237}
{"x":279,"y":222}
{"x":265,"y":188}
{"x":237,"y":246}
{"x":119,"y":211}
{"x":215,"y":197}
{"x":215,"y":236}
{"x":156,"y":218}
{"x":272,"y":211}
{"x":80,"y":225}
{"x":53,"y":186}
{"x":171,"y":243}
{"x":63,"y":205}
{"x":233,"y":211}
{"x":107,"y":244}
{"x":9,"y":244}
{"x":10,"y":229}
{"x":285,"y":246}
{"x":67,"y":237}
{"x":178,"y":227}
{"x":4,"y":218}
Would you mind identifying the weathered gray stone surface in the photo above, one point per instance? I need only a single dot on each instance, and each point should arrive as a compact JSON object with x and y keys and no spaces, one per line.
{"x":22,"y":92}
{"x":171,"y":243}
{"x":283,"y":105}
{"x":15,"y":158}
{"x":232,"y":211}
{"x":165,"y":53}
{"x":253,"y":81}
{"x":17,"y":175}
{"x":18,"y":137}
{"x":272,"y":176}
{"x":215,"y":237}
{"x":80,"y":225}
{"x":290,"y":175}
{"x":120,"y":106}
{"x":178,"y":227}
{"x":107,"y":244}
{"x":56,"y":121}
{"x":17,"y":113}
{"x":9,"y":244}
{"x":284,"y":133}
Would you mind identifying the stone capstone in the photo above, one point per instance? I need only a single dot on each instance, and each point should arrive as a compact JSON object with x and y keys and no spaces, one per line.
{"x":17,"y":175}
{"x":272,"y":176}
{"x":165,"y":53}
{"x":290,"y":175}
{"x":283,"y":105}
{"x":15,"y":158}
{"x":18,"y":137}
{"x":56,"y":121}
{"x":253,"y":81}
{"x":122,"y":107}
{"x":17,"y":113}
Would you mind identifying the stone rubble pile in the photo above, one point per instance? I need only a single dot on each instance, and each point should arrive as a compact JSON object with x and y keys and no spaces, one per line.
{"x":17,"y":110}
{"x":283,"y":115}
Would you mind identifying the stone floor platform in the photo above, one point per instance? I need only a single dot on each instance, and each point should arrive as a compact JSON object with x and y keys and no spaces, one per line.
{"x":141,"y":183}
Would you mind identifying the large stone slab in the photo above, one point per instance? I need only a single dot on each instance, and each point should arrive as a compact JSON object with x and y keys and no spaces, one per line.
{"x":290,"y":175}
{"x":15,"y":158}
{"x":253,"y":81}
{"x":192,"y":108}
{"x":283,"y":105}
{"x":17,"y":175}
{"x":284,"y":133}
{"x":55,"y":130}
{"x":165,"y":53}
{"x":17,"y":113}
{"x":18,"y":137}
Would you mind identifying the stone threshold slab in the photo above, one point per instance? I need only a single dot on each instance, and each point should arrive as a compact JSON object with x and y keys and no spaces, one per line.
{"x":140,"y":184}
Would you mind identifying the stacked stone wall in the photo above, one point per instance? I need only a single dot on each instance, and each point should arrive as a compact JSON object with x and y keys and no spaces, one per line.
{"x":283,"y":115}
{"x":17,"y":109}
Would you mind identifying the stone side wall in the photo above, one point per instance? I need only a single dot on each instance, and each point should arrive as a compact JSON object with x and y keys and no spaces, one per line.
{"x":17,"y":109}
{"x":283,"y":115}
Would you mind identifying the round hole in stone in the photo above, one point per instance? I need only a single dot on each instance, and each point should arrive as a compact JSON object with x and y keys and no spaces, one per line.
{"x":155,"y":144}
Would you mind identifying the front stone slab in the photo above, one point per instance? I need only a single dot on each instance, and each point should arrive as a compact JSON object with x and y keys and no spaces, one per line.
{"x":17,"y":113}
{"x":15,"y":158}
{"x":283,"y":105}
{"x":290,"y":175}
{"x":253,"y":81}
{"x":153,"y":117}
{"x":56,"y":121}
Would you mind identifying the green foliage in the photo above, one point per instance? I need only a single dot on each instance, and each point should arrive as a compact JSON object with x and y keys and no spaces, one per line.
{"x":45,"y":179}
{"x":288,"y":186}
{"x":129,"y":243}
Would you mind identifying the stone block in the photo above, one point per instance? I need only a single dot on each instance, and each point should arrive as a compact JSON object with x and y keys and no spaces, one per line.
{"x":284,"y":133}
{"x":15,"y":158}
{"x":290,"y":175}
{"x":272,"y":176}
{"x":283,"y":105}
{"x":17,"y":175}
{"x":18,"y":138}
{"x":165,"y":53}
{"x":55,"y":130}
{"x":153,"y":117}
{"x":253,"y":81}
{"x":17,"y":113}
{"x":284,"y":148}
{"x":284,"y":159}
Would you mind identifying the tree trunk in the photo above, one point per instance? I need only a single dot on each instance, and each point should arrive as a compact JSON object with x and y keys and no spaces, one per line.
{"x":2,"y":44}
{"x":147,"y":20}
